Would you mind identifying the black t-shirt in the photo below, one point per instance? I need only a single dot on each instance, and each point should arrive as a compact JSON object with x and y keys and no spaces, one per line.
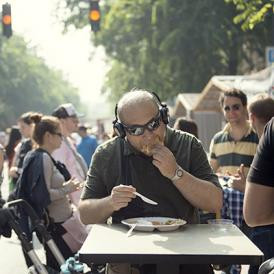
{"x":262,"y":168}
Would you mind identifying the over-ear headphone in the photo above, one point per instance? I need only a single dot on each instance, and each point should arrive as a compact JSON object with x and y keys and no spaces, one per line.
{"x":119,"y":128}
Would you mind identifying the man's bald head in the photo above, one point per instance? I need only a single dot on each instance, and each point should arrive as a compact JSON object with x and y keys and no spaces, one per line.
{"x":134,"y":100}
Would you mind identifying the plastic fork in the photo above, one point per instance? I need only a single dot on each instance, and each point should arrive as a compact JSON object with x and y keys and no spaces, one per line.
{"x":131,"y":229}
{"x":145,"y":199}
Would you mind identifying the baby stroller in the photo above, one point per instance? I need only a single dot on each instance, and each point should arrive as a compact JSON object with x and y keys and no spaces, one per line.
{"x":70,"y":266}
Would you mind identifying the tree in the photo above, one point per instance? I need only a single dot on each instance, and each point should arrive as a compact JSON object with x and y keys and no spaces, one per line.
{"x":252,"y":12}
{"x":170,"y":46}
{"x":27,"y":83}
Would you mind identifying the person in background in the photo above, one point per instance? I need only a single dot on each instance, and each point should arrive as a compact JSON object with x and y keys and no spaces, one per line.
{"x":3,"y":138}
{"x":231,"y":148}
{"x":106,"y":136}
{"x":100,"y":131}
{"x":260,"y":110}
{"x":186,"y":125}
{"x":2,"y":157}
{"x":236,"y":143}
{"x":67,"y":153}
{"x":5,"y":229}
{"x":87,"y":145}
{"x":45,"y":187}
{"x":25,"y":125}
{"x":14,"y":139}
{"x":259,"y":191}
{"x":168,"y":166}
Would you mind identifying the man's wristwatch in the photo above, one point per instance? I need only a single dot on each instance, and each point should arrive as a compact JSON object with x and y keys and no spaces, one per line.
{"x":179,"y":173}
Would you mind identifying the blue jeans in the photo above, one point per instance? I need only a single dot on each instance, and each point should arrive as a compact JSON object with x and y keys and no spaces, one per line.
{"x":263,"y":238}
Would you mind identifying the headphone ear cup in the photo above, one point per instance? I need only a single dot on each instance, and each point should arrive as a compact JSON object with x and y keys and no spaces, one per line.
{"x":119,"y":129}
{"x":164,"y":114}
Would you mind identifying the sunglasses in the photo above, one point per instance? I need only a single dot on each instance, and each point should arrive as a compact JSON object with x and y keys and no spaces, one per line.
{"x":137,"y":130}
{"x":58,"y":134}
{"x":232,"y":108}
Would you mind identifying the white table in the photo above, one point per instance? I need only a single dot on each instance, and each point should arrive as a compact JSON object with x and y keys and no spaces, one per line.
{"x":192,"y":244}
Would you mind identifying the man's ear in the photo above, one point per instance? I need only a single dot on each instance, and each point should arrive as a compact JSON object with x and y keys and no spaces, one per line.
{"x":252,"y":117}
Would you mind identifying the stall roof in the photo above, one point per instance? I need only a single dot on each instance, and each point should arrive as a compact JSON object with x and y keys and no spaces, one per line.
{"x":184,"y":103}
{"x":249,"y":84}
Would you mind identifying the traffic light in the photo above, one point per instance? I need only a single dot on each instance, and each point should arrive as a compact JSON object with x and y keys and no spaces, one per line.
{"x":94,"y":15}
{"x":6,"y":20}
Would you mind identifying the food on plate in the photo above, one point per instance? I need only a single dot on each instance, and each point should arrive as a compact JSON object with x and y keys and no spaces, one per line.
{"x":171,"y":222}
{"x":156,"y":223}
{"x":168,"y":222}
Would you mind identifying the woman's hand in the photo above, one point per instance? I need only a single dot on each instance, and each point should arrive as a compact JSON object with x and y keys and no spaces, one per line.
{"x":72,"y":185}
{"x":13,"y":172}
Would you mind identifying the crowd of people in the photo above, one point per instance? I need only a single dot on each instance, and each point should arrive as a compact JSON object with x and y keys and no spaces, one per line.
{"x":82,"y":184}
{"x":46,"y":168}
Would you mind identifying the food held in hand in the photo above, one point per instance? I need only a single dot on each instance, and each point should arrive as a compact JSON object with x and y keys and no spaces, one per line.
{"x":147,"y":148}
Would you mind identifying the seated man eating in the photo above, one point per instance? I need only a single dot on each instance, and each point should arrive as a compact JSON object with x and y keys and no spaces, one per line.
{"x":167,"y":165}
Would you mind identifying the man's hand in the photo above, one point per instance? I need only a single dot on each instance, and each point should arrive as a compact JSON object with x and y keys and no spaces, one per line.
{"x":121,"y":195}
{"x":239,"y":179}
{"x":164,"y":160}
{"x":5,"y":229}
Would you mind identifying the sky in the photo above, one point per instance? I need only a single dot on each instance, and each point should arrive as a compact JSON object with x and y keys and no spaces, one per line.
{"x":72,"y":53}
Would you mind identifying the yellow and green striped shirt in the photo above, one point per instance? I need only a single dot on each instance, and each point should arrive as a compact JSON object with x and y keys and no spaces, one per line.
{"x":230,"y":154}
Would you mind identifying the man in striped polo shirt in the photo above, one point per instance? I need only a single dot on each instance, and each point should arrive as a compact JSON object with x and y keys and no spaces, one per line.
{"x":231,"y":153}
{"x":236,"y":144}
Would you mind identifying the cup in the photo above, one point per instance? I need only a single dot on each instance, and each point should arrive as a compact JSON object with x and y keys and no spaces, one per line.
{"x":220,"y":221}
{"x":220,"y":224}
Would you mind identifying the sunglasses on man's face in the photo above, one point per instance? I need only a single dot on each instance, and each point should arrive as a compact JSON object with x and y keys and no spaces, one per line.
{"x":137,"y":130}
{"x":232,"y":108}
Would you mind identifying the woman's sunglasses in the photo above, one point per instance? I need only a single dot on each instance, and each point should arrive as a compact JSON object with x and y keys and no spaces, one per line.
{"x":58,"y":134}
{"x":137,"y":130}
{"x":232,"y":108}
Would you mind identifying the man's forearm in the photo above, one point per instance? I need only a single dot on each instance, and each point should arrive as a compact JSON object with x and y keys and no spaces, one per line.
{"x":93,"y":211}
{"x":200,"y":193}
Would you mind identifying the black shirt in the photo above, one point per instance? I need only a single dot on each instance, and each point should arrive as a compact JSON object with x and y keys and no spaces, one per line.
{"x":262,"y":168}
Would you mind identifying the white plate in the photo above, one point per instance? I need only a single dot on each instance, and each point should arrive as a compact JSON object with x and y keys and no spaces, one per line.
{"x":151,"y":223}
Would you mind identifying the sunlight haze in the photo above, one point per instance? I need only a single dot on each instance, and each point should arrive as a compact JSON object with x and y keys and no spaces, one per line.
{"x":72,"y":53}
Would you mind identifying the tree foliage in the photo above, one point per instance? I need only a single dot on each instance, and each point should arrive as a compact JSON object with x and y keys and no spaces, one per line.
{"x":27,"y":83}
{"x":252,"y":12}
{"x":170,"y":46}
